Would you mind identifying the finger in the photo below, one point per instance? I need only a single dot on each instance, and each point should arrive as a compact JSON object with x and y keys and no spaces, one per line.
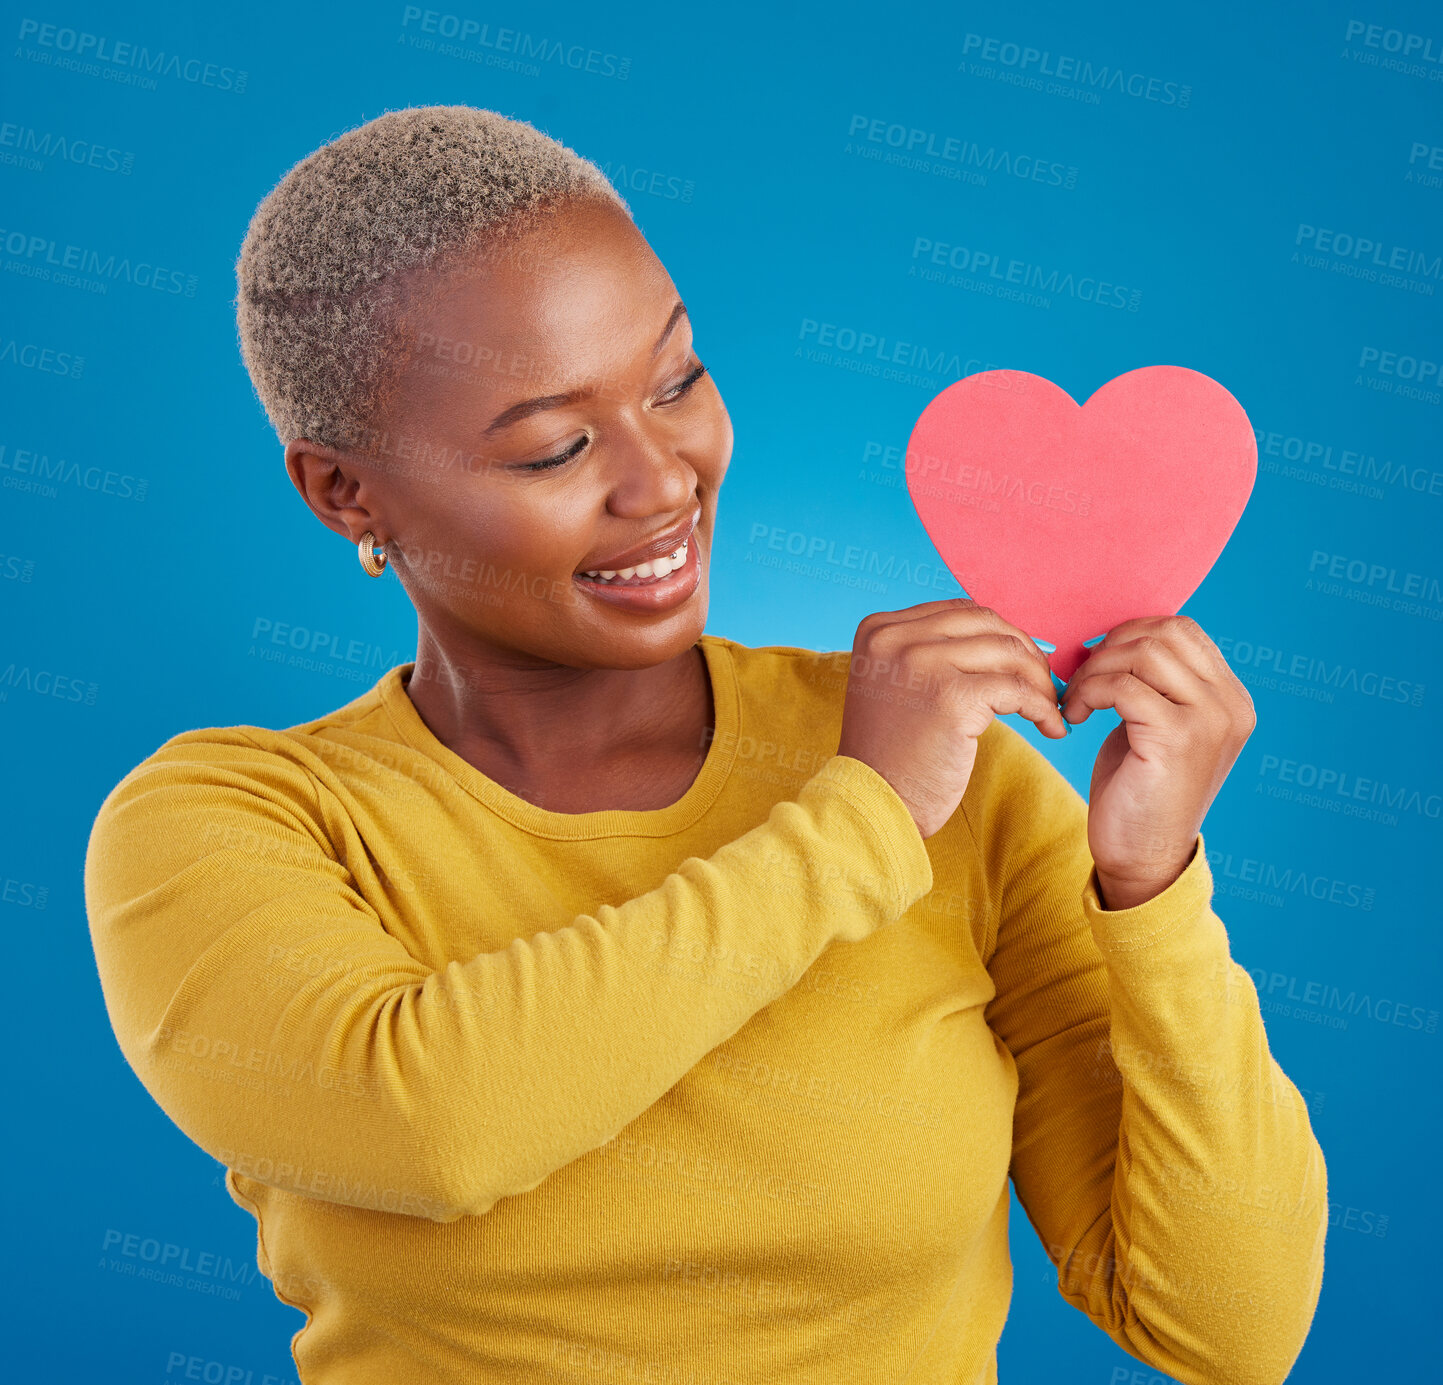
{"x":969,"y":668}
{"x":959,"y":619}
{"x":1181,"y":633}
{"x":917,"y":612}
{"x":1151,"y":658}
{"x":998,"y":651}
{"x":1136,"y":702}
{"x":1003,"y":693}
{"x":956,"y":607}
{"x":972,"y":650}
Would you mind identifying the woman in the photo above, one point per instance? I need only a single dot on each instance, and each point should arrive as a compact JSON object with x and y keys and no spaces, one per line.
{"x":597,"y":998}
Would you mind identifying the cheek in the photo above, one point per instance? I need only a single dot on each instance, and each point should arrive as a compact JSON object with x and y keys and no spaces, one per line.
{"x":462,"y":526}
{"x":542,"y":531}
{"x":476,"y":553}
{"x":712,"y":445}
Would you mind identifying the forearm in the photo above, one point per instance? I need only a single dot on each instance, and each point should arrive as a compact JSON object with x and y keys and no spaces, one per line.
{"x":1210,"y":1262}
{"x":361,"y":1067}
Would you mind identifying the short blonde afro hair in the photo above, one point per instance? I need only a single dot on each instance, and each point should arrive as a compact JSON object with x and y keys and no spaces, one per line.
{"x":332,"y":247}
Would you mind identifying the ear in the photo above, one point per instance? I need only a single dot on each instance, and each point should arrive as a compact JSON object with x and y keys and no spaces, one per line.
{"x":331,"y":484}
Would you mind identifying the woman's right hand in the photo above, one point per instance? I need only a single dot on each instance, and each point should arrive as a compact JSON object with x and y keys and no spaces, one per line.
{"x":924,"y":683}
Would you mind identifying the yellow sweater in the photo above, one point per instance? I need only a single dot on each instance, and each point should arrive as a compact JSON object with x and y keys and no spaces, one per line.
{"x":729,"y":1091}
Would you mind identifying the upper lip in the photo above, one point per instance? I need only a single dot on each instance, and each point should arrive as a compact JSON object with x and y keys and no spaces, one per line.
{"x":658,"y":547}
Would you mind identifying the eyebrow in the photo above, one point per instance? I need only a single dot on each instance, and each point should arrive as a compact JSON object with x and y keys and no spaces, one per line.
{"x":516,"y":412}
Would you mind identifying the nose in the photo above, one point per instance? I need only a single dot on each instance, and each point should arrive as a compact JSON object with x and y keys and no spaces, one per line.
{"x":652,"y":477}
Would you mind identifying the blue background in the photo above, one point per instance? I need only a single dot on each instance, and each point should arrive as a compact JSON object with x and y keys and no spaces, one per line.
{"x":145,"y":597}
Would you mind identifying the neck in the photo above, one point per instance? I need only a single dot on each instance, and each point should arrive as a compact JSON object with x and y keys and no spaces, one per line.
{"x":514,"y":716}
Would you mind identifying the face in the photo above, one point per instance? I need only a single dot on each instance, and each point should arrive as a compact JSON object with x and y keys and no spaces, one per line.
{"x":553,"y":415}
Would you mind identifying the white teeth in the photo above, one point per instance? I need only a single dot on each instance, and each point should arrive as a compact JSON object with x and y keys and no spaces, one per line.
{"x":652,"y":571}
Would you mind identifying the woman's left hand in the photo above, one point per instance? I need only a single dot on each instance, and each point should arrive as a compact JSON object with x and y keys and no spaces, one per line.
{"x":1185,"y":719}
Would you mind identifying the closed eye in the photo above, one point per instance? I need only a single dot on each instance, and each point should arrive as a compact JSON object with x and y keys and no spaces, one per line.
{"x":685,"y":386}
{"x":680,"y":391}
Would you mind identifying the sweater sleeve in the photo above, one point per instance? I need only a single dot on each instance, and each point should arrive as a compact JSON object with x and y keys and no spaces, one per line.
{"x":1161,"y":1154}
{"x":208,"y":867}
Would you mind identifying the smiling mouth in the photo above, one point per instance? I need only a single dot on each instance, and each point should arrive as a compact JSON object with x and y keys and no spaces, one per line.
{"x":657,"y":570}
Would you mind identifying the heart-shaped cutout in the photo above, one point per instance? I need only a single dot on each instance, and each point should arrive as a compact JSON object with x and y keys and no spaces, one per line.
{"x":1066,"y":519}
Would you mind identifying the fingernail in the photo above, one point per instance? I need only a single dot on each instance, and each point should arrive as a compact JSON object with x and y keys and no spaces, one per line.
{"x":1059,"y":685}
{"x":1067,"y":725}
{"x":1044,"y":645}
{"x":1096,"y":639}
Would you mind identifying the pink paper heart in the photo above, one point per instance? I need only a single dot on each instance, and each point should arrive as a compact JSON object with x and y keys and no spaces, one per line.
{"x":1067,"y":519}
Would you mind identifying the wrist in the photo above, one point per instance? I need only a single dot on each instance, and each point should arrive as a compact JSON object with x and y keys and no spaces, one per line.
{"x":1127,"y":892}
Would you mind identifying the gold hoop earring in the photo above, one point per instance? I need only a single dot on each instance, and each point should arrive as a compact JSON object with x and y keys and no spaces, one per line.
{"x":373,"y":559}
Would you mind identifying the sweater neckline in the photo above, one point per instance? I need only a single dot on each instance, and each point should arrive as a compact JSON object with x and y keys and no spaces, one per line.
{"x":608,"y":822}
